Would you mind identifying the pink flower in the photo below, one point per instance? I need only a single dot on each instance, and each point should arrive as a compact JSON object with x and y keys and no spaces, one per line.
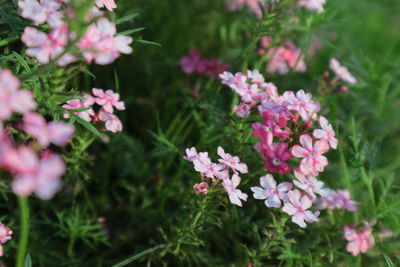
{"x":339,"y":199}
{"x":361,"y":241}
{"x":309,"y":184}
{"x":242,"y":110}
{"x":47,"y":47}
{"x":254,"y":5}
{"x":235,"y":195}
{"x":211,"y":170}
{"x":11,"y":98}
{"x":276,"y":155}
{"x":100,"y":44}
{"x":109,"y":4}
{"x":191,"y":154}
{"x":80,"y":104}
{"x":43,"y":11}
{"x":232,"y":162}
{"x":189,"y":63}
{"x":297,"y":208}
{"x":270,"y":192}
{"x":108,"y":99}
{"x":327,"y":133}
{"x":302,"y":103}
{"x":31,"y":174}
{"x":5,"y":235}
{"x":312,"y":161}
{"x":341,"y":71}
{"x":313,"y":5}
{"x":56,"y":132}
{"x":284,"y":58}
{"x":112,"y":123}
{"x":201,"y":188}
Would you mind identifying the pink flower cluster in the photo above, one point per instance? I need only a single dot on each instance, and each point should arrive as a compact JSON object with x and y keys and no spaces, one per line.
{"x":253,"y":5}
{"x":30,"y":173}
{"x":282,"y":58}
{"x":342,"y":75}
{"x":359,"y":241}
{"x":109,"y":4}
{"x":108,"y":100}
{"x":339,"y":199}
{"x":341,"y":72}
{"x":5,"y":235}
{"x":193,"y":63}
{"x":99,"y":44}
{"x":203,"y":164}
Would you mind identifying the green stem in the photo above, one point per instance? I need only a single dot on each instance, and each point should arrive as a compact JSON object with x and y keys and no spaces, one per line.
{"x":368,"y":182}
{"x":23,"y":241}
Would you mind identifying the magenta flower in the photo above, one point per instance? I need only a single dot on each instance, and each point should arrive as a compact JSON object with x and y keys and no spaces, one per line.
{"x":80,"y":104}
{"x":232,"y":162}
{"x":189,"y":63}
{"x":270,"y":192}
{"x":235,"y":195}
{"x":201,"y":188}
{"x":42,"y":11}
{"x":327,"y":133}
{"x":297,"y":206}
{"x":309,"y":184}
{"x":276,"y":155}
{"x":361,"y":241}
{"x":341,"y":72}
{"x":313,"y":5}
{"x":312,"y":161}
{"x":242,"y":110}
{"x":56,"y":132}
{"x":191,"y":154}
{"x":47,"y":47}
{"x":112,"y":122}
{"x":34,"y":175}
{"x":108,"y":99}
{"x":5,"y":235}
{"x":109,"y":4}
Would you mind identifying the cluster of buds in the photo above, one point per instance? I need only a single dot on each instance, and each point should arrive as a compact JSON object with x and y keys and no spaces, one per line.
{"x":219,"y":171}
{"x":342,"y":75}
{"x":106,"y":100}
{"x":99,"y":43}
{"x":193,"y":63}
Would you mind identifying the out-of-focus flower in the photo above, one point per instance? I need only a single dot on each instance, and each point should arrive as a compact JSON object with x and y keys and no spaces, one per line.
{"x":5,"y":235}
{"x":270,"y":192}
{"x":309,"y":184}
{"x":109,"y":4}
{"x":193,"y":63}
{"x":191,"y":154}
{"x":361,"y":241}
{"x":339,"y":199}
{"x":284,"y":58}
{"x":56,"y":132}
{"x":34,"y":175}
{"x":297,"y":207}
{"x":313,"y":5}
{"x":42,"y":11}
{"x":341,"y":72}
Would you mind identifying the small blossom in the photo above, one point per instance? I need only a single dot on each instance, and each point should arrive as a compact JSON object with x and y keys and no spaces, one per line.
{"x":232,"y":162}
{"x":5,"y":235}
{"x":297,"y":207}
{"x":201,"y":188}
{"x":302,"y":103}
{"x":327,"y":133}
{"x":108,"y":99}
{"x":309,"y":184}
{"x":284,"y":58}
{"x":276,"y":155}
{"x":242,"y":110}
{"x":43,"y":11}
{"x":109,"y":4}
{"x":203,"y":164}
{"x":80,"y":104}
{"x":339,"y":199}
{"x":313,"y":5}
{"x":112,"y":122}
{"x":270,"y":192}
{"x":312,"y":161}
{"x":56,"y":132}
{"x":341,"y":71}
{"x":361,"y":241}
{"x":34,"y":175}
{"x":191,"y":154}
{"x":235,"y":195}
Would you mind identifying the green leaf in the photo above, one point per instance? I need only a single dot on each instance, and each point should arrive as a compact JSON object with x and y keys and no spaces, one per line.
{"x":129,"y":32}
{"x":134,"y":257}
{"x":149,"y":43}
{"x":388,"y":261}
{"x":28,"y":261}
{"x":85,"y":124}
{"x":126,"y":18}
{"x":22,"y":62}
